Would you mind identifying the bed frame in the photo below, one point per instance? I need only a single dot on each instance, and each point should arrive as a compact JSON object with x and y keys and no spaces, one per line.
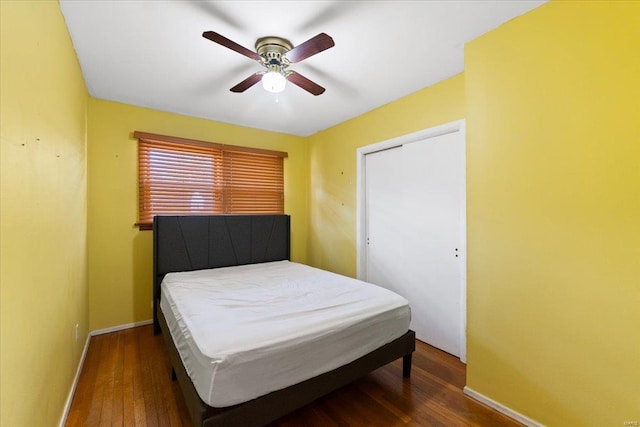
{"x":185,"y":243}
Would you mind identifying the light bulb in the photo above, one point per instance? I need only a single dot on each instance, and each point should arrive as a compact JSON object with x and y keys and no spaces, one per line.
{"x":273,"y":81}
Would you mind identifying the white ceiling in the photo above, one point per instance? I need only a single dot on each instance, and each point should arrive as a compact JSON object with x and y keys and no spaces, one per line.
{"x":151,"y":53}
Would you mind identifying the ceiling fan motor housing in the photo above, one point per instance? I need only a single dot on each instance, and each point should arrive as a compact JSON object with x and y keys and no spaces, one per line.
{"x":272,"y":49}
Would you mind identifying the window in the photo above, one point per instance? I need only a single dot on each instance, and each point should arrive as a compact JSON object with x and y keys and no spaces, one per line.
{"x":178,"y":176}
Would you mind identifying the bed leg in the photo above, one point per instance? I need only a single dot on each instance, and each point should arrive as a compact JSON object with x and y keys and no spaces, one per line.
{"x":156,"y":326}
{"x":173,"y":375}
{"x":406,"y":365}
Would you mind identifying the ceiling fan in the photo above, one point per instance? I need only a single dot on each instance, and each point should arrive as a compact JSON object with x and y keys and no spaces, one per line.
{"x":276,"y":55}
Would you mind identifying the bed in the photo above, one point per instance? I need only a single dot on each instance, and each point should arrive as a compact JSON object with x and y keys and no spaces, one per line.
{"x":238,"y":247}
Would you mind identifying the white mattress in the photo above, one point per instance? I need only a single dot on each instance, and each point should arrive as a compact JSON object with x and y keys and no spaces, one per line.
{"x":245,"y":331}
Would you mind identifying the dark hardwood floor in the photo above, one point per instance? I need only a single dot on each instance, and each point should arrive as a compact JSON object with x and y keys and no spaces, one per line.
{"x":126,"y":381}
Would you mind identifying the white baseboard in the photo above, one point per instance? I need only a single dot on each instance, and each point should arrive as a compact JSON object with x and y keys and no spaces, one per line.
{"x":121,"y":327}
{"x":67,"y":404}
{"x":501,"y":408}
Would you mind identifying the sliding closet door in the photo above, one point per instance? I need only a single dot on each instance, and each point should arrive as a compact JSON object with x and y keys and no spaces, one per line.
{"x":383,"y":197}
{"x":414,"y":201}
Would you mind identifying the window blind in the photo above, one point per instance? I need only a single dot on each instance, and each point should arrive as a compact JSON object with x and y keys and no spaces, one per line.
{"x":179,"y":176}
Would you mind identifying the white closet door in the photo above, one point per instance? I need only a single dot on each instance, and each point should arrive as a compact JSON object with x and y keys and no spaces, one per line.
{"x":383,"y":197}
{"x":415,"y":222}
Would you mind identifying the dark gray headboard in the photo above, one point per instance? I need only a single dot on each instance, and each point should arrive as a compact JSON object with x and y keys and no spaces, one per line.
{"x":185,"y":243}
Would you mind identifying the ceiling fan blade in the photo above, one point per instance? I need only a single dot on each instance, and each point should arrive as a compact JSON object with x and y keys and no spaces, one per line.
{"x":222,"y":40}
{"x":309,"y":48}
{"x":247,"y":83}
{"x":306,"y":84}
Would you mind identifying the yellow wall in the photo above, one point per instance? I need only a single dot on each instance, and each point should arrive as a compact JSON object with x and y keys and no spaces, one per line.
{"x":553,"y":163}
{"x":332,"y":172}
{"x":43,"y":283}
{"x":120,"y":256}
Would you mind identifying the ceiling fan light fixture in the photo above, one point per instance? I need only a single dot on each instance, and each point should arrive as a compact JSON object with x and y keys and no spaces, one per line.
{"x":273,"y":81}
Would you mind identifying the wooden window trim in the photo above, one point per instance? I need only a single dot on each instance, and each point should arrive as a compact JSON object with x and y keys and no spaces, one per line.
{"x":177,"y":140}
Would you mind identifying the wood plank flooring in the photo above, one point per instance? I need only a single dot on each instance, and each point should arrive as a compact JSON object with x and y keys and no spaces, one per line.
{"x":126,"y":381}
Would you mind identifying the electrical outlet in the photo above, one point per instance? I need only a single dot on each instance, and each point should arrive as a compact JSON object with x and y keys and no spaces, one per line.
{"x":77,"y":331}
